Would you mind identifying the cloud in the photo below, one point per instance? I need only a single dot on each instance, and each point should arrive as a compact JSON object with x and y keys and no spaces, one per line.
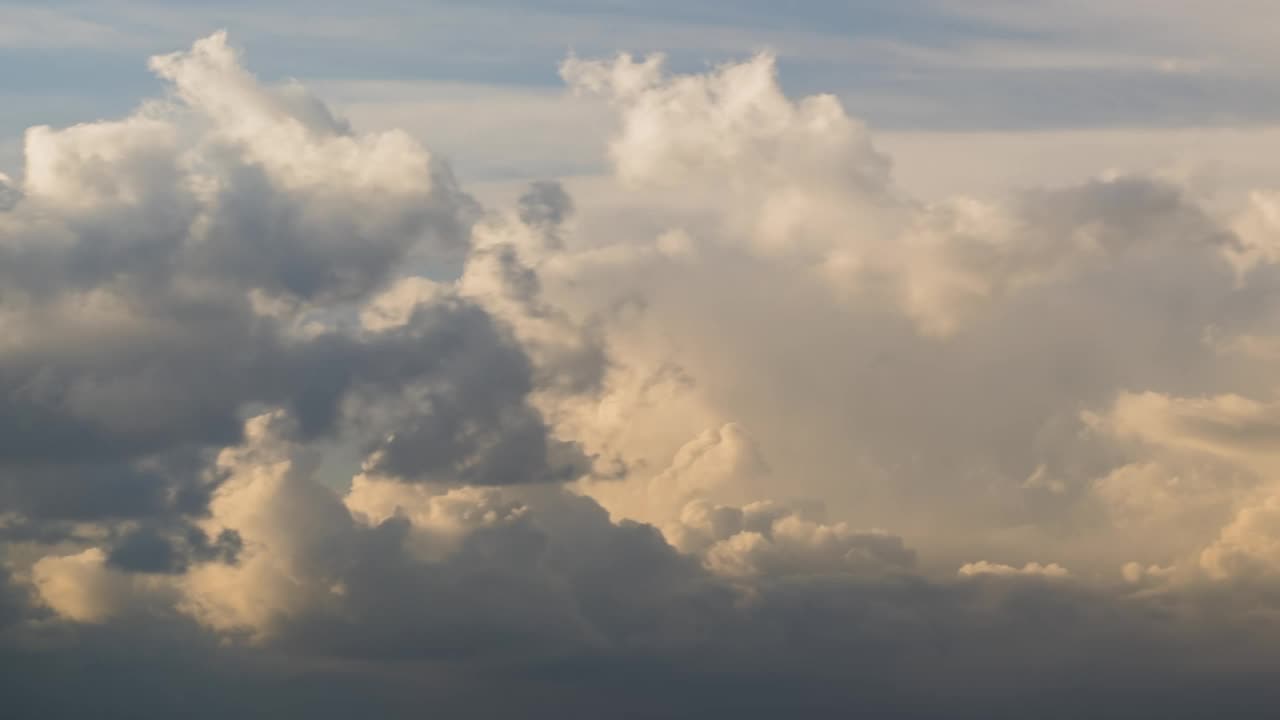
{"x":283,"y":408}
{"x":766,"y":539}
{"x":982,"y":567}
{"x":208,"y":249}
{"x":82,"y":587}
{"x":1248,"y":545}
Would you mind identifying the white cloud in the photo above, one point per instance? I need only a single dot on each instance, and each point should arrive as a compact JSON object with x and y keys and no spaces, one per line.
{"x":768,"y":540}
{"x":983,"y":567}
{"x":83,"y":588}
{"x":661,"y":427}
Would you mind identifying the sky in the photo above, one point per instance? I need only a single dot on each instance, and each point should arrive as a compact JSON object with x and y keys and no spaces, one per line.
{"x":639,"y":360}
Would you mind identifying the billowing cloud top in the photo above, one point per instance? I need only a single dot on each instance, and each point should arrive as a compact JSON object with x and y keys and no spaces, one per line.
{"x":291,"y":425}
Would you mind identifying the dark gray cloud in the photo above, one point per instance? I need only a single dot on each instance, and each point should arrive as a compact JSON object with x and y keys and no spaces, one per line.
{"x":149,"y":549}
{"x":908,"y":648}
{"x":153,"y":410}
{"x":545,"y":205}
{"x":462,"y":416}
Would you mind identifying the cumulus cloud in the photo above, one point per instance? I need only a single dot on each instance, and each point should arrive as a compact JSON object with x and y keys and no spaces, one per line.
{"x":280,"y":400}
{"x":766,"y":539}
{"x":1248,"y":545}
{"x":84,"y":588}
{"x":209,"y":249}
{"x":982,"y":567}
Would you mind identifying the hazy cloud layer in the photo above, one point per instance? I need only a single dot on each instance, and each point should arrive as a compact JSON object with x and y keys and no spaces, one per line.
{"x":290,"y":425}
